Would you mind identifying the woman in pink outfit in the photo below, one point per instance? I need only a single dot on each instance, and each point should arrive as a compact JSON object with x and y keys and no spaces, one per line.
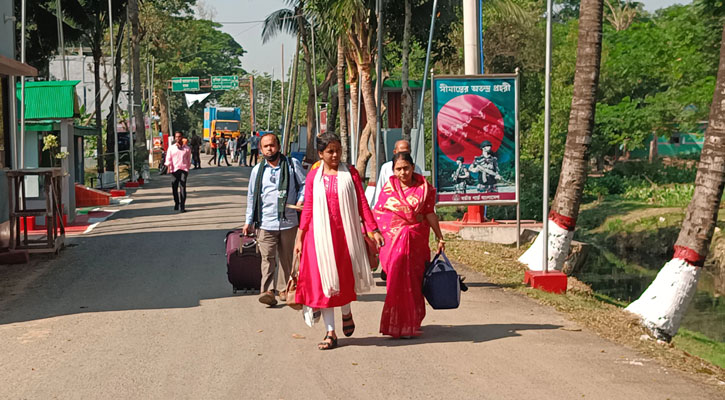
{"x":178,"y":161}
{"x":405,"y":213}
{"x":334,"y":265}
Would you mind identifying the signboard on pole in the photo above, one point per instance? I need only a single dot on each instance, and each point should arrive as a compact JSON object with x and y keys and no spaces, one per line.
{"x":475,"y":139}
{"x":224,"y":82}
{"x":323,"y":120}
{"x":185,"y":84}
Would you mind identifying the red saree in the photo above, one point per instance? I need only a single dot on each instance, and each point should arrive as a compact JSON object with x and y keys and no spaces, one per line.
{"x":400,"y":215}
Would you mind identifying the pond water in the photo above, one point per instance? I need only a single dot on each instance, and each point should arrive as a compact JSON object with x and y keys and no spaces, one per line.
{"x":626,"y":283}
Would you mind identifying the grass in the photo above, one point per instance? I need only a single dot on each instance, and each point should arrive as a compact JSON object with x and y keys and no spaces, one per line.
{"x":702,"y":346}
{"x":689,"y":352}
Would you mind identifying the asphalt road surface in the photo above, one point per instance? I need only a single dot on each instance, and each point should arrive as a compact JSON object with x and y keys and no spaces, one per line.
{"x":141,"y":308}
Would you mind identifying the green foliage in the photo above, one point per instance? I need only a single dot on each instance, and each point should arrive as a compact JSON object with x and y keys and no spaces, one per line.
{"x":666,"y":186}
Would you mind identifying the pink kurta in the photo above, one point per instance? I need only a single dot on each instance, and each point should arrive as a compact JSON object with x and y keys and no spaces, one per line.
{"x":309,"y":288}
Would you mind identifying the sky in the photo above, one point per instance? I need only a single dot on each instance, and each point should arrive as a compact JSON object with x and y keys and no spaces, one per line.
{"x":267,"y":57}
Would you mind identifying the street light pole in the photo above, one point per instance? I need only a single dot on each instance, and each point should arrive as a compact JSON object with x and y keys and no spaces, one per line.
{"x":269,"y":107}
{"x":420,"y":137}
{"x":22,"y":86}
{"x":380,"y":143}
{"x":61,"y":42}
{"x":471,"y":50}
{"x":547,"y":131}
{"x":113,"y":96}
{"x":131,"y":105}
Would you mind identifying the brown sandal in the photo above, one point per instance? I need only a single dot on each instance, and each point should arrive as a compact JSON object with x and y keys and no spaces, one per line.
{"x":348,"y":329}
{"x":327,"y":345}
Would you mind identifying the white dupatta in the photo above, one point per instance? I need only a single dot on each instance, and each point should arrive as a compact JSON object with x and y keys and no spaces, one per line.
{"x":326,"y":262}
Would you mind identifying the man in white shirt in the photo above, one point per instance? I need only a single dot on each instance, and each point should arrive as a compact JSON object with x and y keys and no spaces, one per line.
{"x":386,"y":170}
{"x":275,"y":183}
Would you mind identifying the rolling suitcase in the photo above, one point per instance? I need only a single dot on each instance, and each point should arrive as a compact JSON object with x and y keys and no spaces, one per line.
{"x":244,"y":264}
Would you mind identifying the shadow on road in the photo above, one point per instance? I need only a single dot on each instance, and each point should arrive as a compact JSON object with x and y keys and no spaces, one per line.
{"x":114,"y":272}
{"x":452,"y":333}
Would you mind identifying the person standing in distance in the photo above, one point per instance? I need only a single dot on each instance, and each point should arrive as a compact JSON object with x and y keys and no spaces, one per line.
{"x":273,"y":184}
{"x":254,"y":142}
{"x":222,"y":146}
{"x":386,"y":170}
{"x":195,"y":147}
{"x":178,"y":161}
{"x":242,"y":149}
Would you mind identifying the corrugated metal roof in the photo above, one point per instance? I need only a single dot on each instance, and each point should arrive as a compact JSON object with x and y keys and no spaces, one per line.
{"x":50,"y":100}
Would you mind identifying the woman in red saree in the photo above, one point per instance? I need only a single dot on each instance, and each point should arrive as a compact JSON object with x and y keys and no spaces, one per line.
{"x":405,"y":214}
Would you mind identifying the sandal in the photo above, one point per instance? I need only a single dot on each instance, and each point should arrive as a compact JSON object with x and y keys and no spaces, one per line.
{"x":327,"y":345}
{"x":348,"y":329}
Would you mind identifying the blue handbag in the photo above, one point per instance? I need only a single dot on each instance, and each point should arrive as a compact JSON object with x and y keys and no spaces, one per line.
{"x":442,"y":285}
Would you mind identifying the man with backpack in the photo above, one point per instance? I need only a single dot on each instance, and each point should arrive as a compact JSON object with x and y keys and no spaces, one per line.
{"x":276,"y":182}
{"x":213,"y":145}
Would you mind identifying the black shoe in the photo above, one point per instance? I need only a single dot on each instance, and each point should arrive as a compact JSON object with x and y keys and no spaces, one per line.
{"x":383,"y":275}
{"x":176,"y":207}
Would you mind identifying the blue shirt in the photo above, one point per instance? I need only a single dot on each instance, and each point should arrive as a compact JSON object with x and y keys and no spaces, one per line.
{"x":270,"y":194}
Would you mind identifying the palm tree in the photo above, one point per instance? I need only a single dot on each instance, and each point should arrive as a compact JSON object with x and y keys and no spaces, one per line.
{"x":665,"y":301}
{"x":565,"y":208}
{"x":294,"y":21}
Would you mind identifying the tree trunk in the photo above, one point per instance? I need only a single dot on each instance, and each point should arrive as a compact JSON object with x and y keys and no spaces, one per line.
{"x":407,"y":95}
{"x":136,"y":67}
{"x":341,"y":104}
{"x":353,"y":78}
{"x":665,"y":301}
{"x":115,"y":89}
{"x":311,"y":154}
{"x":565,"y":208}
{"x":293,"y":93}
{"x":99,"y":115}
{"x":368,"y":154}
{"x":333,"y":109}
{"x":653,"y":149}
{"x":163,"y":109}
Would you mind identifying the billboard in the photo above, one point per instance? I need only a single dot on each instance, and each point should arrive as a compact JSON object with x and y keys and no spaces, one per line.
{"x":475,"y":139}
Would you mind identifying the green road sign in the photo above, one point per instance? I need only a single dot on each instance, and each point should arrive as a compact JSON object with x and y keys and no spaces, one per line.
{"x":185,"y":84}
{"x":224,"y":82}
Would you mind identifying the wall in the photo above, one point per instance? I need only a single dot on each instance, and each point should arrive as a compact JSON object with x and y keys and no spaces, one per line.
{"x":7,"y":33}
{"x":80,"y":68}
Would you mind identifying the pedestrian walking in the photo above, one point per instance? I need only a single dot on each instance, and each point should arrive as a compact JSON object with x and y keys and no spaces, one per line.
{"x":406,"y":212}
{"x":233,"y":148}
{"x":222,"y":146}
{"x":242,"y":149}
{"x":253,"y":149}
{"x":334,"y":264}
{"x":178,"y":161}
{"x":274,"y":183}
{"x":195,"y":148}
{"x":213,"y":144}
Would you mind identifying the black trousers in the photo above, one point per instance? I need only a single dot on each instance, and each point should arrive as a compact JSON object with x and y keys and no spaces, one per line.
{"x":253,"y":154}
{"x":196,"y":158}
{"x":179,"y":180}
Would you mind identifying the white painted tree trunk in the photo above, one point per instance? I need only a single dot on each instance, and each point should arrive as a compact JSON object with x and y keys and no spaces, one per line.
{"x":559,"y":242}
{"x":664,"y":303}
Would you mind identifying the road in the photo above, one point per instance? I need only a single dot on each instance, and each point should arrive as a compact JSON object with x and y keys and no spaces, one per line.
{"x":140,"y":308}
